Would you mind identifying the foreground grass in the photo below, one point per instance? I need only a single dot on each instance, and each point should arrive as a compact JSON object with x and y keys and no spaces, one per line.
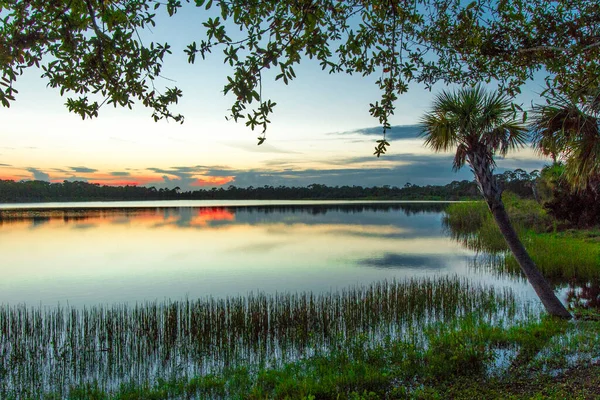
{"x":466,"y":359}
{"x":46,"y":350}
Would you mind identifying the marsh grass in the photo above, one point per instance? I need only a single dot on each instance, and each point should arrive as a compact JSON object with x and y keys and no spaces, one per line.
{"x":561,"y":256}
{"x":429,"y":365}
{"x":50,"y":350}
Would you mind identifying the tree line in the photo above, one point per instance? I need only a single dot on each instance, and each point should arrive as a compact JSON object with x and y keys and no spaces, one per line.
{"x":518,"y":181}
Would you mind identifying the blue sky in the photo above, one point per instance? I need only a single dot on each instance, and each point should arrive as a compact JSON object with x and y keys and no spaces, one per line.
{"x":321,"y":132}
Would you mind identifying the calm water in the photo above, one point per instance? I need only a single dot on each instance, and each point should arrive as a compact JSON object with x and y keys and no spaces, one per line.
{"x":90,"y":253}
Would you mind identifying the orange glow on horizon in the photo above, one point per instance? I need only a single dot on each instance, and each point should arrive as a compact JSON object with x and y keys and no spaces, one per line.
{"x":103,"y":178}
{"x":10,"y":178}
{"x":213,"y":181}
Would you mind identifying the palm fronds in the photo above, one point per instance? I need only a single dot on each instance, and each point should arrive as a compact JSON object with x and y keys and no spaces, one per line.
{"x":570,"y":129}
{"x":472,"y":120}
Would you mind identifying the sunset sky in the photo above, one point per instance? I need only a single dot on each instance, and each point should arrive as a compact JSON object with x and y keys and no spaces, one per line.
{"x":321,"y":132}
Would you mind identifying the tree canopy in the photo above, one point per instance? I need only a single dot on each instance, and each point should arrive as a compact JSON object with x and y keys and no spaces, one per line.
{"x":91,"y":50}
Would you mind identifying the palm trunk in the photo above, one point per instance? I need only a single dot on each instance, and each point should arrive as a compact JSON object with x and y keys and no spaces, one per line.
{"x":493,"y":196}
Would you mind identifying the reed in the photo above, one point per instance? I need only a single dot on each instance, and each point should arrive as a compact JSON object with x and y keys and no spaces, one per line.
{"x":50,"y":350}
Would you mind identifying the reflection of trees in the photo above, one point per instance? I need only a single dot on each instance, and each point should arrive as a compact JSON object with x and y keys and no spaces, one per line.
{"x":69,"y":215}
{"x":322,"y":209}
{"x":185,"y":215}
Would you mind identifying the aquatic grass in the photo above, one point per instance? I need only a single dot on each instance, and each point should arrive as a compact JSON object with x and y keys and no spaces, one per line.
{"x":459,"y":352}
{"x":50,"y":350}
{"x":561,"y":256}
{"x":466,"y":217}
{"x":471,"y":216}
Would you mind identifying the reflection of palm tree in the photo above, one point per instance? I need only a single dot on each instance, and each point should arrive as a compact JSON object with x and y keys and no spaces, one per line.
{"x":478,"y":125}
{"x":570,"y":128}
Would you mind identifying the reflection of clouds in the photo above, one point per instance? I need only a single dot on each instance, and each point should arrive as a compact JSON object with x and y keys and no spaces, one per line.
{"x":203,"y":251}
{"x":341,"y":229}
{"x":85,"y":226}
{"x":37,"y":222}
{"x":407,"y":260}
{"x":259,"y":248}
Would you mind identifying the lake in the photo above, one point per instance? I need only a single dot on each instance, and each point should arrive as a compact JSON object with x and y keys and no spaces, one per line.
{"x":84,"y":254}
{"x":102,"y":295}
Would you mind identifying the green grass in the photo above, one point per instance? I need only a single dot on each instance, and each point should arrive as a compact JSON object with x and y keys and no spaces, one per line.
{"x":563,"y":257}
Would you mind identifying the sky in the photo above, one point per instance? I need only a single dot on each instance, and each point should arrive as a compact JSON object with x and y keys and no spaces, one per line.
{"x":321,"y":132}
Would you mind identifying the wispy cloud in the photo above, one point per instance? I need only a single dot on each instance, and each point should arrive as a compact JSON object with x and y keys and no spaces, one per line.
{"x":83,"y":170}
{"x":395,"y":133}
{"x":120,"y":173}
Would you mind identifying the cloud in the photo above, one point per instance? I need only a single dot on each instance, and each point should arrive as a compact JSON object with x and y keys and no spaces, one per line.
{"x":414,"y":168}
{"x":120,"y":173}
{"x":39,"y":175}
{"x":397,"y":132}
{"x":393,"y":170}
{"x":83,"y":170}
{"x":190,"y":178}
{"x":74,"y":179}
{"x":213,"y":181}
{"x":5,"y":165}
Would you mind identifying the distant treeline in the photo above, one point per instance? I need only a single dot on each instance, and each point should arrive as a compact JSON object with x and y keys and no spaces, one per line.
{"x":517,"y":181}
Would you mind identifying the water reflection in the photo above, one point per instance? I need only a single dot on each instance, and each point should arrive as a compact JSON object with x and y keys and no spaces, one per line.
{"x":202,"y":216}
{"x":584,"y":295}
{"x":410,"y":261}
{"x":106,"y":255}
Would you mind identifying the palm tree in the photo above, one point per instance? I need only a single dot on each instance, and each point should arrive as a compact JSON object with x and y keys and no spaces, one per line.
{"x":478,"y":125}
{"x":570,"y":128}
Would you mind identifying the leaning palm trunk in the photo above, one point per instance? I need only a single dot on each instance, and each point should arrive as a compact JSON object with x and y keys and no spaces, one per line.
{"x":493,"y":196}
